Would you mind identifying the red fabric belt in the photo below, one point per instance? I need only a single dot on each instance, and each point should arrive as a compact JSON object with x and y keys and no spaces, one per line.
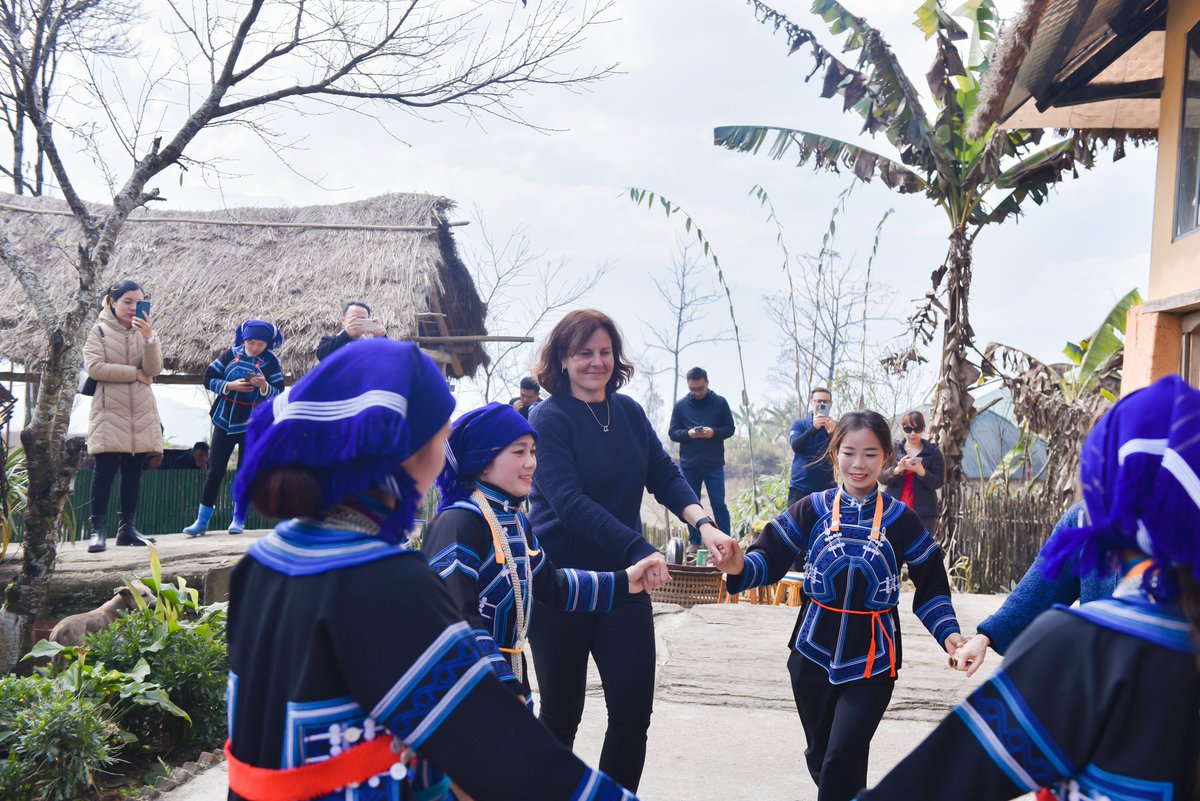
{"x":353,"y":766}
{"x":876,"y":620}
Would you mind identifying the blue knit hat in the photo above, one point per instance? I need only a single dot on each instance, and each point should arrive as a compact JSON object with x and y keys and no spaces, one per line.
{"x":258,"y":329}
{"x":1139,"y":474}
{"x":475,"y":440}
{"x":351,"y":422}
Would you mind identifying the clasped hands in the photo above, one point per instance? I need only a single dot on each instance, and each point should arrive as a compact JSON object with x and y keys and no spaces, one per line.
{"x":651,"y":572}
{"x":967,"y":655}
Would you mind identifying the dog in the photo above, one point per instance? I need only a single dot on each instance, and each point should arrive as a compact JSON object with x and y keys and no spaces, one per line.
{"x":72,"y":629}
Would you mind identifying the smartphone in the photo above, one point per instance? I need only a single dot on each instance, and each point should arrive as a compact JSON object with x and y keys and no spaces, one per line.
{"x":823,"y":409}
{"x":143,"y":309}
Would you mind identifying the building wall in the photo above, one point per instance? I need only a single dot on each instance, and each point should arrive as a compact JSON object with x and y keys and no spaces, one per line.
{"x":1174,"y":265}
{"x":1154,"y":339}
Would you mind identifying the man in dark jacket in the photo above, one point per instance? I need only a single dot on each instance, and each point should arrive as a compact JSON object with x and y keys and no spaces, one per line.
{"x":530,"y":396}
{"x":357,"y":323}
{"x":700,"y":423}
{"x":812,"y":469}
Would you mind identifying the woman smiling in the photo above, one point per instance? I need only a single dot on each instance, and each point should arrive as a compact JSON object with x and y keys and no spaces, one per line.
{"x":598,"y":454}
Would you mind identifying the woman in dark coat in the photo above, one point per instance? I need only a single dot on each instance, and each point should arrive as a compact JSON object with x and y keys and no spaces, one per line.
{"x":918,"y":472}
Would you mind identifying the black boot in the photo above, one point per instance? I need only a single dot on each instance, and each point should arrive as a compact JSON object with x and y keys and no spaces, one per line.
{"x":99,"y":539}
{"x":128,"y":535}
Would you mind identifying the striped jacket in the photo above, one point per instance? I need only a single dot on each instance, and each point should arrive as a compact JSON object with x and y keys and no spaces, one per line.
{"x":231,"y":410}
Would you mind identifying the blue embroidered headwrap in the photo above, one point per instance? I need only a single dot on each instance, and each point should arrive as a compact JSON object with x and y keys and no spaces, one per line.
{"x":475,"y":439}
{"x":1139,"y":476}
{"x":352,"y":421}
{"x":258,"y":329}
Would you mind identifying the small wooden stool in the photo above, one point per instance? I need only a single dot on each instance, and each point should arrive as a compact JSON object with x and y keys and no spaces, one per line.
{"x":790,"y":589}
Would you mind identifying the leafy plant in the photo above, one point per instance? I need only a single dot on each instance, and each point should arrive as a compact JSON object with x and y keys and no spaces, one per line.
{"x":977,"y":178}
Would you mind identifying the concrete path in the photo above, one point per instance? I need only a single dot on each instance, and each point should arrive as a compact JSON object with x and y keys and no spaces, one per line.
{"x":725,"y":726}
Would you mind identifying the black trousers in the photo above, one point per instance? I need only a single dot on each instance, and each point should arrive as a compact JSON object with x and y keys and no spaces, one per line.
{"x":622,"y":643}
{"x":107,"y":464}
{"x":839,"y":722}
{"x":218,"y":461}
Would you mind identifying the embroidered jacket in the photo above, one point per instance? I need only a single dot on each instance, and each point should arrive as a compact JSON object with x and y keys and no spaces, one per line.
{"x":848,"y":622}
{"x":337,"y":637}
{"x":1096,"y":703}
{"x":231,"y":411}
{"x":461,"y":549}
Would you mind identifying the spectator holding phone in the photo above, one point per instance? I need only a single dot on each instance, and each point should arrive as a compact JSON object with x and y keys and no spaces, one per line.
{"x":701,"y":422}
{"x":812,"y":469}
{"x":918,"y":472}
{"x":242,"y":377}
{"x":357,"y":323}
{"x":122,"y":355}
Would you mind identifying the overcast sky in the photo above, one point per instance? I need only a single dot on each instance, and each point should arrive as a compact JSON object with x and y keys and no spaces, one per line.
{"x":688,"y":65}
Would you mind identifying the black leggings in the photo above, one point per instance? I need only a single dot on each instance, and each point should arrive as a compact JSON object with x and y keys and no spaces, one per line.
{"x":218,"y":462}
{"x":622,"y":643}
{"x":839,"y":722}
{"x":131,"y":479}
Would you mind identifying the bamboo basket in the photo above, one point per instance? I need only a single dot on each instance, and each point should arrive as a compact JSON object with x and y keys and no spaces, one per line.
{"x":689,"y":586}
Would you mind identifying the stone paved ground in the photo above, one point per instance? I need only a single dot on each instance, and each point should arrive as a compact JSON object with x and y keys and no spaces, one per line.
{"x":725,"y":728}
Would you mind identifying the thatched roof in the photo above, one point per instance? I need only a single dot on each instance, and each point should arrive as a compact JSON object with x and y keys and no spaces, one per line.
{"x":1092,"y":65}
{"x":204,"y":278}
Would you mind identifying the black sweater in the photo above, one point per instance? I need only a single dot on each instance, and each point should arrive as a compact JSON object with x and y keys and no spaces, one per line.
{"x":925,"y":500}
{"x":712,"y":411}
{"x":587,"y":491}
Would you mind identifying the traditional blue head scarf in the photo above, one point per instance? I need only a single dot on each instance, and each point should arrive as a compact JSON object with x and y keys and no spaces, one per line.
{"x":352,"y":421}
{"x":258,"y":329}
{"x":1139,"y":475}
{"x":475,"y":439}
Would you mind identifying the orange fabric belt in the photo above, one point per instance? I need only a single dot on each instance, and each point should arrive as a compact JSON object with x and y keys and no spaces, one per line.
{"x":353,"y":766}
{"x":876,"y":620}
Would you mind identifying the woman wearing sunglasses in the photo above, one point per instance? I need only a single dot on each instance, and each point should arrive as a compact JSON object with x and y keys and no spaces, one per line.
{"x":918,"y":473}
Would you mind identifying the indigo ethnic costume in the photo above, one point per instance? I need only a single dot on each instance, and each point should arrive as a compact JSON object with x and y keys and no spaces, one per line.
{"x":352,"y":672}
{"x":1098,"y":702}
{"x":846,"y":644}
{"x":482,"y":546}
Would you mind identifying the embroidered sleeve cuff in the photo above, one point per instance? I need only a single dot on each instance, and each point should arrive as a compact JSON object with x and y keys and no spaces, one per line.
{"x":754,"y":574}
{"x":589,"y":591}
{"x":921,"y":550}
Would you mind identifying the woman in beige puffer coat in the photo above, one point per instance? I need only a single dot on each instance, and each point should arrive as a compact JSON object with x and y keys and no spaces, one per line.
{"x":122,"y":354}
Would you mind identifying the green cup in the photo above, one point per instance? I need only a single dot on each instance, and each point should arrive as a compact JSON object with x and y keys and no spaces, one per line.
{"x":702,"y":557}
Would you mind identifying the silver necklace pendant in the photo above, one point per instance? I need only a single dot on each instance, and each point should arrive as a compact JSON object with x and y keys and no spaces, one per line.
{"x":603,"y":426}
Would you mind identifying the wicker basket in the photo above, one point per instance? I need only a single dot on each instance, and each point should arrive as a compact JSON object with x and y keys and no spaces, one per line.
{"x":689,"y":585}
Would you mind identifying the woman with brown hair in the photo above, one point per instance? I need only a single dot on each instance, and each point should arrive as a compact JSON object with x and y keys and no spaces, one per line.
{"x":918,"y":471}
{"x":597,"y":455}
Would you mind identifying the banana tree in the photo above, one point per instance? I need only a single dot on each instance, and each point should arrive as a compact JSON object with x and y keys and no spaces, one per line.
{"x":1060,"y":404}
{"x":977,"y":181}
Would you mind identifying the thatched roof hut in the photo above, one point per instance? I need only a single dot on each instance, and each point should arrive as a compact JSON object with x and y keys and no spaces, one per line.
{"x":207,"y":271}
{"x":1093,"y":65}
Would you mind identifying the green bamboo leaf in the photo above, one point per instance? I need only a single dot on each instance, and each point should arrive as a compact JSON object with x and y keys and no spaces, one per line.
{"x":1109,"y":337}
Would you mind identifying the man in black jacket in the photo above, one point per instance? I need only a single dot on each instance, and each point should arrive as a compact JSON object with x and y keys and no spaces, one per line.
{"x":700,"y":423}
{"x":357,"y":323}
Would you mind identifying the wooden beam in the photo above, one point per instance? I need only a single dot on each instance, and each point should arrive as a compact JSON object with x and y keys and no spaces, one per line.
{"x":467,"y":339}
{"x":456,"y":362}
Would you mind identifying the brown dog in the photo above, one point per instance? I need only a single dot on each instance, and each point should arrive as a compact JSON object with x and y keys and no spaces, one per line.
{"x":72,"y":629}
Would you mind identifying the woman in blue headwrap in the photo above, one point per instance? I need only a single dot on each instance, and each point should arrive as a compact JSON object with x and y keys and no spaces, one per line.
{"x":1098,"y":701}
{"x":242,"y":377}
{"x":481,"y":543}
{"x":351,"y":671}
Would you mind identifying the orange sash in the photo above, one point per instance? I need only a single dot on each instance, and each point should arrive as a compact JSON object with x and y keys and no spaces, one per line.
{"x":355,"y":765}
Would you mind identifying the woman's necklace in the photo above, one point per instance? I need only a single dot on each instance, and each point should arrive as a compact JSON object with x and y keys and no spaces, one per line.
{"x":603,"y":426}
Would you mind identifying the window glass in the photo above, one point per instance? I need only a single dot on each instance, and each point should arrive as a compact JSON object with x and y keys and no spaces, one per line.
{"x":1187,"y":187}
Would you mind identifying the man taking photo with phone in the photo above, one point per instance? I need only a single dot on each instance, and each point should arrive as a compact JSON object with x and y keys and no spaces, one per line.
{"x":357,"y":323}
{"x":812,"y":470}
{"x":701,"y":422}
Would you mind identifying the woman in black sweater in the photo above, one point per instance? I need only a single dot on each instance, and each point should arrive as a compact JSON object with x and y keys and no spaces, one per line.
{"x":597,"y":454}
{"x":918,"y":472}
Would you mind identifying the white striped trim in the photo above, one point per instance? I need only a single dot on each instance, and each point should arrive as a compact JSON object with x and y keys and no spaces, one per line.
{"x":1154,"y":447}
{"x":1183,"y":473}
{"x":340,"y":409}
{"x":418,"y":668}
{"x":997,"y":748}
{"x":448,"y":701}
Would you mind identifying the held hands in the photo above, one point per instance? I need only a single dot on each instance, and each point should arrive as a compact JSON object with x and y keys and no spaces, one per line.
{"x":969,"y":656}
{"x":952,"y":644}
{"x":648,"y":574}
{"x":724,"y":551}
{"x":637,"y":573}
{"x":145,"y":326}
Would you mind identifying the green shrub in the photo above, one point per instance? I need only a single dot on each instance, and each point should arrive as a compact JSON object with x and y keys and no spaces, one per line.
{"x":58,"y":744}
